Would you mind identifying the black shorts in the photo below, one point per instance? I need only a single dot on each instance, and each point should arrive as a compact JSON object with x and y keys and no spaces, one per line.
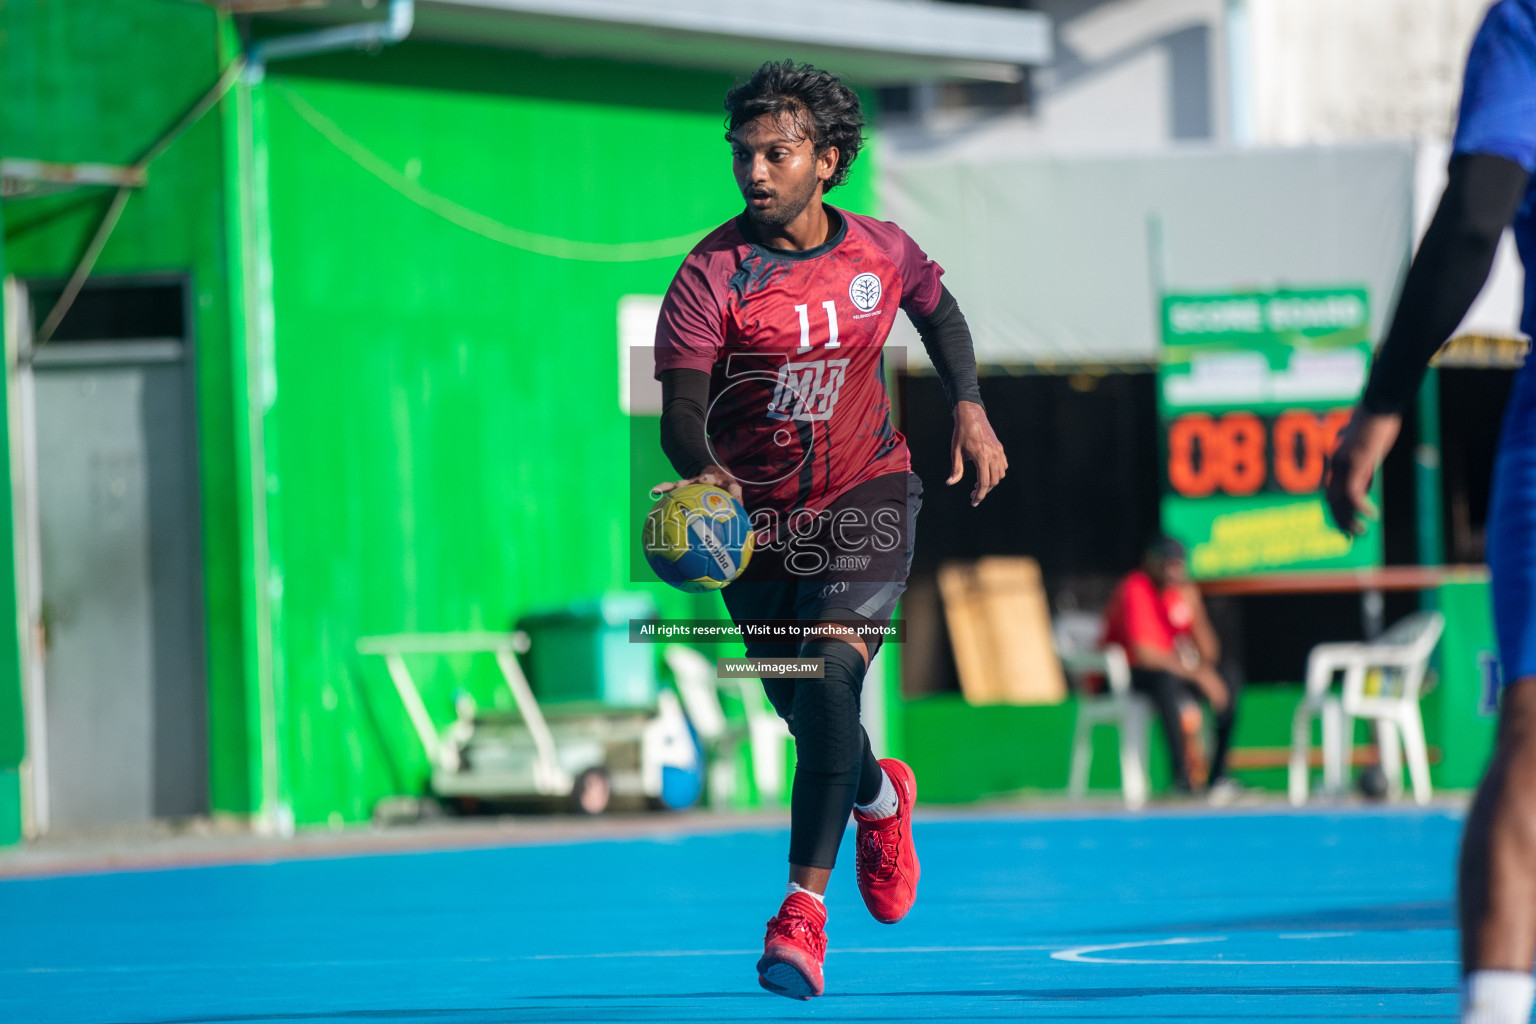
{"x":847,"y":563}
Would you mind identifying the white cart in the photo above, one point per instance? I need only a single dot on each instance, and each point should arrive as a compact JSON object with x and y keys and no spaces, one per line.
{"x":583,"y":754}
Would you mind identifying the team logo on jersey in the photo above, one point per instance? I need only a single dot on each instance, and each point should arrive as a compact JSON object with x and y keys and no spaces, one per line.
{"x":864,"y":292}
{"x":806,"y":392}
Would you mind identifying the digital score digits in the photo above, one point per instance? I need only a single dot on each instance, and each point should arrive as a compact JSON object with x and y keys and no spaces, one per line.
{"x":1243,"y":453}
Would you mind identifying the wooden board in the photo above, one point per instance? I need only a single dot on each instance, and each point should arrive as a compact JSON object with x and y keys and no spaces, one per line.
{"x":1362,"y":754}
{"x":1000,"y":630}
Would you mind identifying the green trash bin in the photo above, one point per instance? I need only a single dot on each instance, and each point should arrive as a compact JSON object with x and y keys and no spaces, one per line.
{"x":581,"y":654}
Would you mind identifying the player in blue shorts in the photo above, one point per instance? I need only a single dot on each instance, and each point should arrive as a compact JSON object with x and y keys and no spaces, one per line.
{"x":1490,"y":188}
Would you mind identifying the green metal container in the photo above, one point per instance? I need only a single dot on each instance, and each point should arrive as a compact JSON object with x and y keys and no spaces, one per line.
{"x":581,"y":654}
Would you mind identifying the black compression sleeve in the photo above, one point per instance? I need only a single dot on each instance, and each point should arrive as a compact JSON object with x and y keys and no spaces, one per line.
{"x":947,"y":338}
{"x":684,"y":397}
{"x":1450,"y":268}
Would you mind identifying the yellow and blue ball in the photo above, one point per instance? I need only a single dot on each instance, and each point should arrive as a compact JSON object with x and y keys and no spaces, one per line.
{"x":698,"y":538}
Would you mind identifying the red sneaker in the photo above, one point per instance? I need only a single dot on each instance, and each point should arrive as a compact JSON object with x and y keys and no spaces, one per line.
{"x":887,"y":861}
{"x":794,"y":948}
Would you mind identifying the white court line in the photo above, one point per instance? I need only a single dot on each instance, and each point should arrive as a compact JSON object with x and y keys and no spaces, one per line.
{"x":638,"y":954}
{"x":949,"y":949}
{"x":1079,"y":954}
{"x":1083,"y":955}
{"x":628,"y":954}
{"x":874,"y":950}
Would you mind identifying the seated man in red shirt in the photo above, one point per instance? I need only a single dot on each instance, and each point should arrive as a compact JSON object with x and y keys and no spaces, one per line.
{"x":1157,"y":616}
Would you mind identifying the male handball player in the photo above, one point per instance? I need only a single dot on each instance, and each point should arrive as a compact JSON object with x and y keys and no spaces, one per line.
{"x":1489,"y":189}
{"x":769,"y":352}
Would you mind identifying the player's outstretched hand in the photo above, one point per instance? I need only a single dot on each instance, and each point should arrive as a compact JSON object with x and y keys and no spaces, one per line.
{"x":974,"y":439}
{"x":1361,"y":448}
{"x":717,"y":476}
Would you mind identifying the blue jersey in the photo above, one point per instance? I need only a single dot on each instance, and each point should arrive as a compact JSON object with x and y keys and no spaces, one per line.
{"x":1498,"y":115}
{"x":1498,"y":118}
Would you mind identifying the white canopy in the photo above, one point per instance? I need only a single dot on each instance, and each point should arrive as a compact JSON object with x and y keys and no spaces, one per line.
{"x":1062,"y":261}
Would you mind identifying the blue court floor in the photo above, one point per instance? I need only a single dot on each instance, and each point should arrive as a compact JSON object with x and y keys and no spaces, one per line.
{"x":1170,"y":917}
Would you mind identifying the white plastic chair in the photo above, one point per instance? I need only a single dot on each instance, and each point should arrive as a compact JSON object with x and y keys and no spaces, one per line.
{"x":1324,"y":661}
{"x":1076,"y":636}
{"x":765,"y":732}
{"x":1396,"y":662}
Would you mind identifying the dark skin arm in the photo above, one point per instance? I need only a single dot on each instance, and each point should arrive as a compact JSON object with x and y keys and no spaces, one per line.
{"x":1203,"y":676}
{"x":1207,"y":643}
{"x":1481,"y":198}
{"x":973,"y":439}
{"x":1362,"y":447}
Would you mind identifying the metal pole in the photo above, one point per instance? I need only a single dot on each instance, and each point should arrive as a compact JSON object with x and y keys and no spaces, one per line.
{"x":1429,"y":530}
{"x":402,"y":15}
{"x":1239,"y":48}
{"x":1373,"y":606}
{"x":254,"y":396}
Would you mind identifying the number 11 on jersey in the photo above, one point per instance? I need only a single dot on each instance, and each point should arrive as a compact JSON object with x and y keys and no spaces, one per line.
{"x":805,"y":324}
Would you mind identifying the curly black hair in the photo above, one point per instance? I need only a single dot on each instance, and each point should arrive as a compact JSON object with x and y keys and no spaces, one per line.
{"x":816,"y":101}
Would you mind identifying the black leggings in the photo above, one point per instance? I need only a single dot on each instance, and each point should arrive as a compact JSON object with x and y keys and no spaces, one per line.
{"x":835,"y":767}
{"x":1169,"y":692}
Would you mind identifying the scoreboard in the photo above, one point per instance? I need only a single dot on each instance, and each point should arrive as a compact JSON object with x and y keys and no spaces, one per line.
{"x":1253,"y":391}
{"x":1243,"y":453}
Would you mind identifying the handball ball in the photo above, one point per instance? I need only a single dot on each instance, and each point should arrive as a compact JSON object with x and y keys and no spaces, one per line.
{"x":698,"y":538}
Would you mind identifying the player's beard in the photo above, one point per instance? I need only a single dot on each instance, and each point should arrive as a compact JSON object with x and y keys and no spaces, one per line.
{"x":787,"y":205}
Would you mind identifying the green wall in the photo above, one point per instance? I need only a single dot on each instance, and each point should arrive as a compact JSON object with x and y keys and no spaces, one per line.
{"x":403,"y":424}
{"x":101,"y":80}
{"x":1456,"y":716}
{"x":964,"y":753}
{"x":13,"y":747}
{"x":445,"y":447}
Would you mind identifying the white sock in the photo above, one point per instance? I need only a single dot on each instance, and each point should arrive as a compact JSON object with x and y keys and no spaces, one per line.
{"x":1497,"y":997}
{"x":885,"y":804}
{"x":792,"y":888}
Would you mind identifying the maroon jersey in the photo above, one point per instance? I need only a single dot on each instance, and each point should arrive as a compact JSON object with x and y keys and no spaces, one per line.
{"x":793,"y":342}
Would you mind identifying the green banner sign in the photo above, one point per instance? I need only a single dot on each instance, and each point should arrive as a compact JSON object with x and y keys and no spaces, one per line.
{"x":1253,"y":389}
